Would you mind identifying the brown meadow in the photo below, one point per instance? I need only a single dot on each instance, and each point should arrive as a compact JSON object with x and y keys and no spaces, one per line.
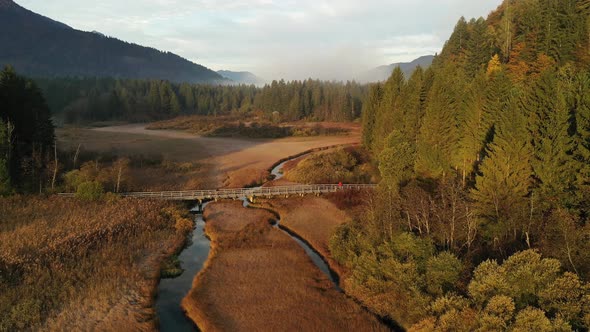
{"x":314,"y":219}
{"x":67,"y":264}
{"x":258,"y":279}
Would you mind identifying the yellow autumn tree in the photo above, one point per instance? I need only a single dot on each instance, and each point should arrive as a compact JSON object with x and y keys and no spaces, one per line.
{"x":494,"y":65}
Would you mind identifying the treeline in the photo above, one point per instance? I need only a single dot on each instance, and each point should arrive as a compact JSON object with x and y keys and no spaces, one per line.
{"x":26,"y":136}
{"x":91,"y":100}
{"x":485,"y":154}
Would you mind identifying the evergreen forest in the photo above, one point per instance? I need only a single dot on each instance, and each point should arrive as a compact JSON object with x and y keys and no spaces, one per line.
{"x":482,"y":217}
{"x":86,"y":100}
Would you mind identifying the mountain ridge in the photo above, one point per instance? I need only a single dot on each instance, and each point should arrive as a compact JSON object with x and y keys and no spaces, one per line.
{"x":382,"y":73}
{"x":242,"y":77}
{"x":41,"y":47}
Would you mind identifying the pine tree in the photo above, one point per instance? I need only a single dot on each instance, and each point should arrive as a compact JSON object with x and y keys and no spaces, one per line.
{"x":396,"y":161}
{"x":561,"y":31}
{"x":4,"y":151}
{"x":504,"y":178}
{"x":24,"y":107}
{"x":505,"y":32}
{"x":294,"y":110}
{"x":115,"y":106}
{"x":474,"y":127}
{"x":166,"y":93}
{"x":479,"y":46}
{"x":174,"y":105}
{"x":456,"y":48}
{"x":549,"y":123}
{"x":497,"y":96}
{"x":414,"y":105}
{"x":438,"y":138}
{"x":390,"y":114}
{"x":370,"y":108}
{"x":581,"y":108}
{"x":154,"y":98}
{"x":582,"y":111}
{"x":188,"y":97}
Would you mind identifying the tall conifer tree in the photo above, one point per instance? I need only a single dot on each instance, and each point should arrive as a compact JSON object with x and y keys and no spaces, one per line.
{"x":438,"y":139}
{"x":390,"y":113}
{"x":475,"y":126}
{"x":553,"y":146}
{"x":413,"y":105}
{"x":504,"y":178}
{"x":581,"y":106}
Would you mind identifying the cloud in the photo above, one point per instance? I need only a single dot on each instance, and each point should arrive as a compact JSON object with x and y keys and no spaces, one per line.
{"x":290,"y":39}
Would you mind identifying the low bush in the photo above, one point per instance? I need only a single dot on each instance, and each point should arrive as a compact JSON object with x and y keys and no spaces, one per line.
{"x":90,"y":191}
{"x":406,"y":278}
{"x":171,"y":268}
{"x":240,"y":126}
{"x":341,"y":165}
{"x":253,"y":130}
{"x":317,"y":130}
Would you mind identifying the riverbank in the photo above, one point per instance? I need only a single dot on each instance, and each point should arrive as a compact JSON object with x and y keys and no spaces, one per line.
{"x":258,"y":278}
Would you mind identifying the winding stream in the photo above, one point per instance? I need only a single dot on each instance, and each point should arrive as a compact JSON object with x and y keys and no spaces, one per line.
{"x":172,"y":291}
{"x":316,"y":258}
{"x":193,"y":257}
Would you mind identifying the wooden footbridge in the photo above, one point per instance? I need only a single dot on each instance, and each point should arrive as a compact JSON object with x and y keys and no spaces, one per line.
{"x":250,"y":193}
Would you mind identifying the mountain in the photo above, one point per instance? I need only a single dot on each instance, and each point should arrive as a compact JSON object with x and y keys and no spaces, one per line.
{"x":382,"y":73}
{"x":242,"y":77}
{"x":39,"y":46}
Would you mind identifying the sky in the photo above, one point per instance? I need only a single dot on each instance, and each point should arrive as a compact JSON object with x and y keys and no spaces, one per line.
{"x":326,"y":39}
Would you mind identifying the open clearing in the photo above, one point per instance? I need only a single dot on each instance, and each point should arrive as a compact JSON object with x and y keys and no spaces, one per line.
{"x":258,"y":279}
{"x":230,"y":162}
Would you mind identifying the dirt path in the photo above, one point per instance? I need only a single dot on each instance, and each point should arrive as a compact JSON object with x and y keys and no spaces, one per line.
{"x":258,"y":279}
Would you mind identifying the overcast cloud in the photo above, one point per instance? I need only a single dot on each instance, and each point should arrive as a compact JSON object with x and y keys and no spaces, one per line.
{"x":328,"y":39}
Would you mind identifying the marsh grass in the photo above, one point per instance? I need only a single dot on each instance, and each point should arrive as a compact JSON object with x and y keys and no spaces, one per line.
{"x":314,"y":219}
{"x":258,"y":279}
{"x":69,"y":264}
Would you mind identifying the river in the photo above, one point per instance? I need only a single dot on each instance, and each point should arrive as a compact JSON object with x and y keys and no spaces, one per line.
{"x":193,"y":257}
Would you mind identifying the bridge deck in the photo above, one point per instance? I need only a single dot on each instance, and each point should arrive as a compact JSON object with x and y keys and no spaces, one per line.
{"x":191,"y":195}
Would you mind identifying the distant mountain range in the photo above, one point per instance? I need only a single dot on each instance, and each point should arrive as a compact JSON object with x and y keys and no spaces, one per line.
{"x":242,"y":77}
{"x":382,"y":73}
{"x":41,"y":47}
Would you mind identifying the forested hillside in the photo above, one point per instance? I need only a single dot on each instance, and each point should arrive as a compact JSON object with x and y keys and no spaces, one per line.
{"x":87,"y":100}
{"x":483,"y":155}
{"x":40,"y":47}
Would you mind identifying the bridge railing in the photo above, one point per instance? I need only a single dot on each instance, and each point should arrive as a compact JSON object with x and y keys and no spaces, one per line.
{"x":245,"y":192}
